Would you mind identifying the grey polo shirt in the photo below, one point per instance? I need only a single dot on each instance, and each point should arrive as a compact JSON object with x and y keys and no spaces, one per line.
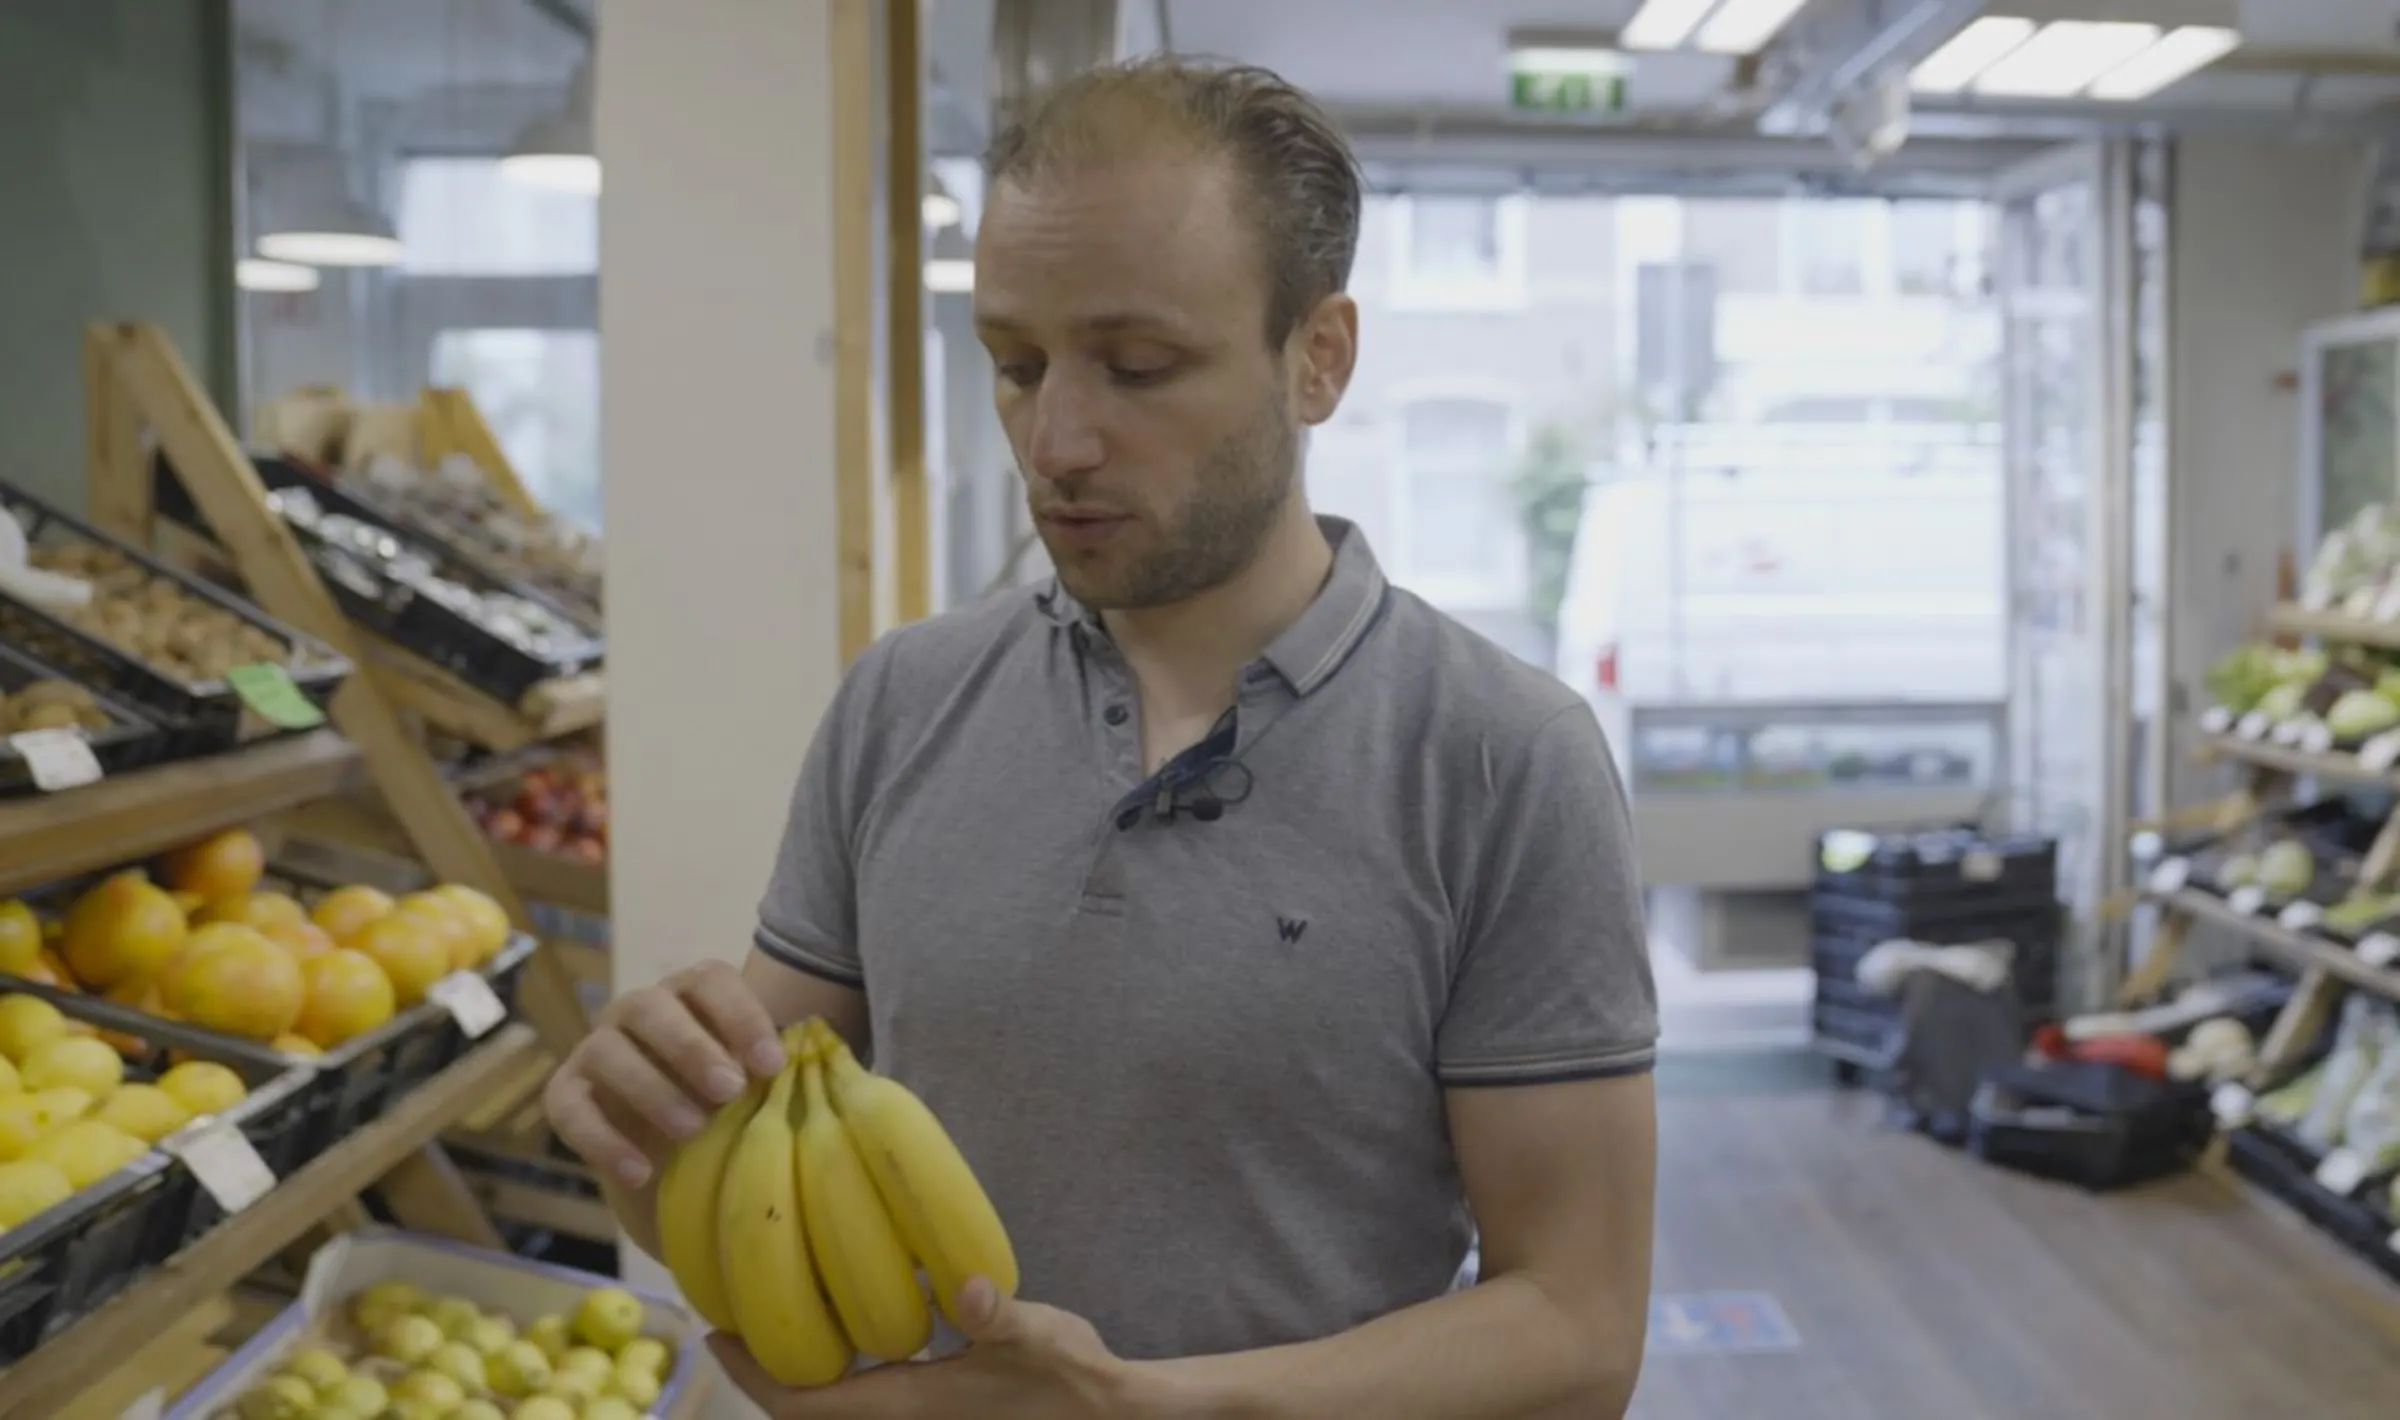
{"x":1194,"y":1030}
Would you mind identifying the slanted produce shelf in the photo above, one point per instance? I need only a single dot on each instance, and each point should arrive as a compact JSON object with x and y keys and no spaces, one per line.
{"x":55,"y":836}
{"x":2300,"y":950}
{"x":2333,"y":626}
{"x":2286,"y":1168}
{"x":66,"y":1362}
{"x":2335,"y":764}
{"x":552,"y":709}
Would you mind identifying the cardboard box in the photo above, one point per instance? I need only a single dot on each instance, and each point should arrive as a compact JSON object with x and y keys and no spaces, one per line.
{"x":496,"y":1281}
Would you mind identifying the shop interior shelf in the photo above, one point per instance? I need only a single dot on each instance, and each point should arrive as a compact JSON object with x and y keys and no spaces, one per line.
{"x":2336,"y":764}
{"x":134,"y":815}
{"x":2334,"y":626}
{"x":2297,"y":949}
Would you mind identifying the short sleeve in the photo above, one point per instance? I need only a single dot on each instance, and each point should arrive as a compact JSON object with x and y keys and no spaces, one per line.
{"x":1553,"y":979}
{"x":808,"y":919}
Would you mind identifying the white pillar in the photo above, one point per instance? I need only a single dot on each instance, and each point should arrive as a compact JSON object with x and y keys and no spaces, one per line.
{"x":717,"y":316}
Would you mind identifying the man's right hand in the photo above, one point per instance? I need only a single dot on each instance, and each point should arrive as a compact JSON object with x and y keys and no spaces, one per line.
{"x":658,"y":1062}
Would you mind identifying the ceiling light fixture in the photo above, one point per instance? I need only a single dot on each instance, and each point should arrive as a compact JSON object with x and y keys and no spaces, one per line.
{"x":253,"y":273}
{"x":1745,"y":26}
{"x":2064,"y":59}
{"x":950,"y":275}
{"x":1665,"y":24}
{"x":556,"y":151}
{"x":1978,"y":47}
{"x":2181,"y":54}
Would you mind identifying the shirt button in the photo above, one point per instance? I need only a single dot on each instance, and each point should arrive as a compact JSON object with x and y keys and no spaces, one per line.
{"x":1117,"y":715}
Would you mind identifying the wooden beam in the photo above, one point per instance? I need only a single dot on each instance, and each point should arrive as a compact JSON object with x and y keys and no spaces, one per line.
{"x":852,"y":36}
{"x":454,"y":425}
{"x":428,"y":1193}
{"x":904,"y":191}
{"x":117,"y":484}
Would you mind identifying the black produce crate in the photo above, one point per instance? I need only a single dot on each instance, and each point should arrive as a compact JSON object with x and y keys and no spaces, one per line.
{"x":131,"y":741}
{"x":65,"y":1262}
{"x":394,"y":610}
{"x":199,"y":718}
{"x":1851,"y":1028}
{"x":2089,"y":1124}
{"x":1950,"y":911}
{"x":1901,"y":865}
{"x":2287,"y":1168}
{"x":351,"y":1084}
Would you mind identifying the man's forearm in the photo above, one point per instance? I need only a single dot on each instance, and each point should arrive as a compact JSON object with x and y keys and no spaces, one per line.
{"x":1506,"y":1350}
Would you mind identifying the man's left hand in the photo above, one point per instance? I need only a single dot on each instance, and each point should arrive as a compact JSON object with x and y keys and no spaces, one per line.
{"x":1025,"y":1361}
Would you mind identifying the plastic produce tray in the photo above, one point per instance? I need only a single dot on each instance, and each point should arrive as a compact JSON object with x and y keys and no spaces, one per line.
{"x":1904,"y":865}
{"x":399,"y":612}
{"x":130,"y":742}
{"x":198,"y":718}
{"x":2120,"y":1129}
{"x":65,"y":1262}
{"x":2286,"y":1168}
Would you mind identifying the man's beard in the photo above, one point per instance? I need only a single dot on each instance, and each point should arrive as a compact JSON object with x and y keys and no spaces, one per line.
{"x":1241,"y":491}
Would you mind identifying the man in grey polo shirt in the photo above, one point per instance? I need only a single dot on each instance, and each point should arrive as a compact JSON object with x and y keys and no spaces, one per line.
{"x":1251,"y":924}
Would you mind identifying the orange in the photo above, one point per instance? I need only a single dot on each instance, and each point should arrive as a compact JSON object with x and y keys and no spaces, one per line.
{"x":190,"y":902}
{"x":121,"y":930}
{"x":412,"y":949}
{"x":486,"y":918}
{"x":348,"y":995}
{"x":50,"y":971}
{"x":346,"y":911}
{"x":256,"y":909}
{"x":303,"y":939}
{"x":458,"y":934}
{"x":225,"y":865}
{"x":20,"y":937}
{"x":239,"y":983}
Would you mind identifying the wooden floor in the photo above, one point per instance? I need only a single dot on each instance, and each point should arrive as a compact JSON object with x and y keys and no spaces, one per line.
{"x":1926,"y":1286}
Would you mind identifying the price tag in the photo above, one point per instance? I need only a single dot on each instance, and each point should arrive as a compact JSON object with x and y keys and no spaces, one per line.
{"x":2379,"y":754}
{"x":2216,"y":720}
{"x":225,"y":1163}
{"x":2300,"y":916}
{"x":2316,"y":737}
{"x":1981,"y":866}
{"x":2232,"y":1103}
{"x":2379,"y":949}
{"x":470,"y":1001}
{"x":2254,"y":726}
{"x":2170,"y":876}
{"x":59,"y":759}
{"x":2342,"y":1172}
{"x":269,"y":689}
{"x":150,"y":1406}
{"x":2248,"y":900}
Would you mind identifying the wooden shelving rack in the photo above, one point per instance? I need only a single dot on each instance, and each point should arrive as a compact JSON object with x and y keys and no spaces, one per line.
{"x":400,"y":802}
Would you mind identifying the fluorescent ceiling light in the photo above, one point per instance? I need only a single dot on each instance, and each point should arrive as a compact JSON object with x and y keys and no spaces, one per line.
{"x":2064,"y":59}
{"x":1951,"y":68}
{"x":331,"y":248}
{"x":258,"y":274}
{"x":1745,"y":26}
{"x":950,"y":275}
{"x":1665,"y":24}
{"x":2182,"y":53}
{"x":941,"y":210}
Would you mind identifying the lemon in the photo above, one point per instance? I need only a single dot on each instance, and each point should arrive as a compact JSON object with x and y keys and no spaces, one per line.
{"x":28,"y":1022}
{"x":203,"y":1086}
{"x":634,"y":1384}
{"x":321,"y":1369}
{"x":20,"y":937}
{"x":363,"y":1394}
{"x":21,"y":1127}
{"x":551,"y":1335}
{"x":60,"y":1106}
{"x":75,"y":1062}
{"x":644,"y":1353}
{"x":27,"y":1187}
{"x":10,"y":1084}
{"x":608,"y":1317}
{"x":88,"y":1151}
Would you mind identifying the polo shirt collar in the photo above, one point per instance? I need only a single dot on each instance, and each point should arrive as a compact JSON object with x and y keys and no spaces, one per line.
{"x":1311,"y":649}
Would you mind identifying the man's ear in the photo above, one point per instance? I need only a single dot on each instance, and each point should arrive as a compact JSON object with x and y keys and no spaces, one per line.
{"x":1324,"y":351}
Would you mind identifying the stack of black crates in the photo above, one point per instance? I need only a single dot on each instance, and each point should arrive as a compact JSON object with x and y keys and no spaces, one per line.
{"x":1942,"y":886}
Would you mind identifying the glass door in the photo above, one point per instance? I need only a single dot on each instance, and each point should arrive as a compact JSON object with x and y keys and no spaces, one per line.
{"x":2065,"y":275}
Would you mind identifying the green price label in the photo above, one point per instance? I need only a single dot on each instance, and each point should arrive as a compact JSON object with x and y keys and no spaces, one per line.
{"x":269,"y":689}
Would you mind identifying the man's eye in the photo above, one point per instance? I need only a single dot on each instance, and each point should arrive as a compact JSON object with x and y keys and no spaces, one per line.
{"x":1021,"y":372}
{"x":1139,"y":375}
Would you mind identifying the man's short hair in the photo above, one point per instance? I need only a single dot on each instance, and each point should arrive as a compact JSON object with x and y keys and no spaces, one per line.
{"x":1301,"y":181}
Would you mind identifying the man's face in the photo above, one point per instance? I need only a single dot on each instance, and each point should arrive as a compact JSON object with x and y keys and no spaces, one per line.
{"x":1124,"y":307}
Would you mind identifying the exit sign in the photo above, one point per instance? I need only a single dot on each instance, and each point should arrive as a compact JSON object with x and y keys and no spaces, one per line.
{"x":1553,"y":79}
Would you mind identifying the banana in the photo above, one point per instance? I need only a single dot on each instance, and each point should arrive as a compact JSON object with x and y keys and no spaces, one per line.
{"x":940,"y":1208}
{"x":867,"y":1269}
{"x":687,"y":1207}
{"x":778,"y":1309}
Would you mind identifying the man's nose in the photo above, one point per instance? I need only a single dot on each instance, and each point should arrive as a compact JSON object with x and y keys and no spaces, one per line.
{"x":1066,"y":438}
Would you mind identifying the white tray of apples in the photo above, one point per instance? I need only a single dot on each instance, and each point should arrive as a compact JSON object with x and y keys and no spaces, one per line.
{"x":389,"y":1320}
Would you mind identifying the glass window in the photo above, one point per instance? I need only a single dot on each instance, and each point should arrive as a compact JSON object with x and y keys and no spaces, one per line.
{"x":1460,"y":513}
{"x":461,"y":217}
{"x":1825,"y":242}
{"x":1738,"y":238}
{"x":540,"y":392}
{"x":1934,"y":251}
{"x":1454,"y":238}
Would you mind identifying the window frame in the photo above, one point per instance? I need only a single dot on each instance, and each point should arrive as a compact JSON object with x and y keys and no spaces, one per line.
{"x":1505,"y":290}
{"x":1502,"y":588}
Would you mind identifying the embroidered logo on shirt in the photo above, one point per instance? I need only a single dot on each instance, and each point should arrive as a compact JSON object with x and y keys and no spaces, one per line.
{"x":1290,"y":928}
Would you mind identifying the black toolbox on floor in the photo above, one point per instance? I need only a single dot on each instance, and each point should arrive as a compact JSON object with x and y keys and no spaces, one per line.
{"x":1942,"y":886}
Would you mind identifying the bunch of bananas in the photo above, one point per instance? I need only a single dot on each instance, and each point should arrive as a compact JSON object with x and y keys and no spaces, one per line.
{"x":799,"y":1217}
